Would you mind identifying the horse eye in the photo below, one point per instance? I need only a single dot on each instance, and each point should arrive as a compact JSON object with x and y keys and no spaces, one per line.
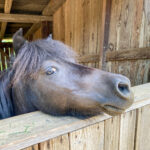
{"x":51,"y":71}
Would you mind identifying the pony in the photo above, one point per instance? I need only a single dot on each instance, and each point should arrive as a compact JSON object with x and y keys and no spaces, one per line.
{"x":46,"y":76}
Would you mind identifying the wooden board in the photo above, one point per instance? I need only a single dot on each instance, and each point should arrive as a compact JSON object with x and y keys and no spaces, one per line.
{"x":143,"y":130}
{"x":112,"y":133}
{"x":23,"y":18}
{"x":7,"y":9}
{"x":29,"y":129}
{"x":132,"y":54}
{"x":127,"y":131}
{"x":129,"y":29}
{"x":89,"y":138}
{"x":79,"y":24}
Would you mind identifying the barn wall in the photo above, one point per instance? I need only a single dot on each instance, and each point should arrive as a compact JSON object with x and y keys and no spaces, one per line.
{"x":129,"y":28}
{"x":78,"y":23}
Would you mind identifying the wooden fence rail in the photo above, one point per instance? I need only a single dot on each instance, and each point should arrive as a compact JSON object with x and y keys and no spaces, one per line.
{"x":38,"y":131}
{"x":5,"y":54}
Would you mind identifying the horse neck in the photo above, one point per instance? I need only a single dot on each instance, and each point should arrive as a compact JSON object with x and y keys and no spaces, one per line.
{"x":6,"y":103}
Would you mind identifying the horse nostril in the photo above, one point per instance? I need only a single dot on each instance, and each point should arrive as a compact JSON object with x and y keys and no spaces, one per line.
{"x":123,"y":90}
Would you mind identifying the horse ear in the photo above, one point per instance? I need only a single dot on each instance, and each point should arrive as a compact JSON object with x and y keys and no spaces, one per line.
{"x":18,"y":40}
{"x":49,"y":38}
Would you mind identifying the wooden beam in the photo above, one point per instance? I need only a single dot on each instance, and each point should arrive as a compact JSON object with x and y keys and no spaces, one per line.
{"x":7,"y":9}
{"x":130,"y":54}
{"x":49,"y":10}
{"x":89,"y":58}
{"x":21,"y":18}
{"x":33,"y":29}
{"x":52,"y":7}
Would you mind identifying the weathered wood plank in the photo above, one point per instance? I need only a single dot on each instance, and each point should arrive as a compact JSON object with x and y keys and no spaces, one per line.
{"x":29,"y":129}
{"x":89,"y":138}
{"x":52,"y":7}
{"x":7,"y":9}
{"x":34,"y":147}
{"x":3,"y":29}
{"x":33,"y":29}
{"x":59,"y":143}
{"x":112,"y":133}
{"x":23,"y":18}
{"x":129,"y":29}
{"x":89,"y":58}
{"x":131,"y":54}
{"x":143,"y":129}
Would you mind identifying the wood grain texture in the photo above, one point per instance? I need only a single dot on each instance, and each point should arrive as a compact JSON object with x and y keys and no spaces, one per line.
{"x":3,"y":53}
{"x":49,"y":10}
{"x":7,"y":9}
{"x":89,"y":138}
{"x":89,"y":58}
{"x":112,"y":133}
{"x":143,"y":130}
{"x":129,"y":29}
{"x":52,"y":7}
{"x":59,"y":143}
{"x":131,"y":54}
{"x":23,"y":18}
{"x":79,"y":24}
{"x":127,"y":131}
{"x":29,"y":129}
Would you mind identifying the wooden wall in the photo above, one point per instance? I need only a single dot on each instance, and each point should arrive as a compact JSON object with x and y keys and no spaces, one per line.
{"x":129,"y":29}
{"x":79,"y":23}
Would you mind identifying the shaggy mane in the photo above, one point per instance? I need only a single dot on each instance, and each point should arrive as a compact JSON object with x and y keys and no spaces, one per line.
{"x":32,"y":54}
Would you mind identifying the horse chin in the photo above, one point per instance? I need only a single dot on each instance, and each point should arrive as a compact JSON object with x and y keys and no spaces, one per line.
{"x":113,"y":110}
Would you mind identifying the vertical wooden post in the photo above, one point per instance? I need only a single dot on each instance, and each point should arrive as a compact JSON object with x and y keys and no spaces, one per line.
{"x":106,"y":31}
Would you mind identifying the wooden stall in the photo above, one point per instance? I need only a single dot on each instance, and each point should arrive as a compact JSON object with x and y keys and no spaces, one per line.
{"x":38,"y":131}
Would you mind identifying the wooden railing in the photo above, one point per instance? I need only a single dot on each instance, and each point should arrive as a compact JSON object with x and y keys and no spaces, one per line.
{"x":38,"y":131}
{"x":6,"y":51}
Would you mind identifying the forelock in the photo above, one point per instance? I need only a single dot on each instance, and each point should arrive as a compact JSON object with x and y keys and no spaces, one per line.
{"x":32,"y":54}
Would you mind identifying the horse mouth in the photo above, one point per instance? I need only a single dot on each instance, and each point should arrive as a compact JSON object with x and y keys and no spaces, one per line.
{"x":113,"y":110}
